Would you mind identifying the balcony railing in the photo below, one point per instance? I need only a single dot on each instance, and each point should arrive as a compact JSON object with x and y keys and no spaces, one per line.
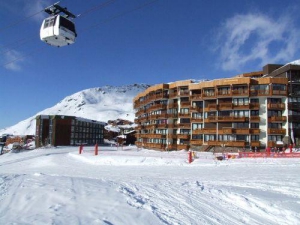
{"x":196,"y":142}
{"x":183,"y":136}
{"x":197,"y":120}
{"x":184,"y":125}
{"x":276,"y":131}
{"x":225,"y":106}
{"x":255,"y":143}
{"x":277,"y":119}
{"x":254,"y":118}
{"x":243,"y":92}
{"x":276,"y":106}
{"x":279,"y":92}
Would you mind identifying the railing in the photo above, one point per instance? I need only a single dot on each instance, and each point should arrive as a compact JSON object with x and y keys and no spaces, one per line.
{"x":183,"y":136}
{"x":184,"y":125}
{"x":172,"y":136}
{"x":244,"y":106}
{"x":196,"y":120}
{"x":276,"y":131}
{"x":227,"y":130}
{"x":279,"y":92}
{"x":254,"y":118}
{"x":196,"y":97}
{"x":255,"y":143}
{"x":197,"y":109}
{"x":243,"y":92}
{"x":225,"y":106}
{"x":186,"y":115}
{"x":232,"y":118}
{"x":276,"y":106}
{"x":196,"y":142}
{"x":277,"y":119}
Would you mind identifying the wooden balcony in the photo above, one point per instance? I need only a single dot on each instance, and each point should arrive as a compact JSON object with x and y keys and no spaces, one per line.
{"x":197,"y":120}
{"x":254,"y":131}
{"x":260,"y":93}
{"x":185,"y":104}
{"x":224,"y":93}
{"x":209,"y":130}
{"x":196,"y":109}
{"x":172,"y":105}
{"x":254,"y":118}
{"x":184,"y":93}
{"x":243,"y":92}
{"x":159,"y":136}
{"x":184,"y":115}
{"x":279,"y":119}
{"x":228,"y":143}
{"x":183,"y":146}
{"x":279,"y":92}
{"x":173,"y":95}
{"x":211,"y":119}
{"x":212,"y":107}
{"x":276,"y":106}
{"x":242,"y":131}
{"x":184,"y":125}
{"x":276,"y":131}
{"x":172,"y":126}
{"x":226,"y":130}
{"x":197,"y":131}
{"x":196,"y":97}
{"x":209,"y":95}
{"x":172,"y":136}
{"x":255,"y":144}
{"x":183,"y":136}
{"x":232,"y":119}
{"x":254,"y":106}
{"x":162,"y":126}
{"x":245,"y":106}
{"x":225,"y":106}
{"x":162,"y":116}
{"x":196,"y":142}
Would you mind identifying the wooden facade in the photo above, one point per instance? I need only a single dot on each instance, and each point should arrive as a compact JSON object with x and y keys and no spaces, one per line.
{"x":246,"y":111}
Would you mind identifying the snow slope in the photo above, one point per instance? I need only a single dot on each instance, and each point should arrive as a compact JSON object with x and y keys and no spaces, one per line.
{"x":102,"y":104}
{"x":134,"y":186}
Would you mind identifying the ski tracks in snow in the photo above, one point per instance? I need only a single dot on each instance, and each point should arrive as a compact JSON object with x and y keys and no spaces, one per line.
{"x":195,"y":202}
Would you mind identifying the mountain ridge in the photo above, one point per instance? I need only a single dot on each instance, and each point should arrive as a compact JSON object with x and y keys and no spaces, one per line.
{"x":98,"y":103}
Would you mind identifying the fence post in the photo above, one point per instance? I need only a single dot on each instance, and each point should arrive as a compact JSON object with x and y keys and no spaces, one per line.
{"x":80,"y":149}
{"x":96,"y":149}
{"x":190,"y":158}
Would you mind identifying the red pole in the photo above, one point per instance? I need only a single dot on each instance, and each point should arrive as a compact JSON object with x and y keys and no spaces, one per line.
{"x":96,"y":149}
{"x":190,"y":156}
{"x":80,"y":149}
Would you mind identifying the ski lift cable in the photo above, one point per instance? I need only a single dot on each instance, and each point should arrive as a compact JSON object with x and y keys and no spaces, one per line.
{"x":121,"y":14}
{"x":95,"y":25}
{"x":22,"y":41}
{"x":17,"y":22}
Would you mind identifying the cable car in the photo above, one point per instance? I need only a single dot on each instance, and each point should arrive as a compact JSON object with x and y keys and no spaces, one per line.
{"x":58,"y":30}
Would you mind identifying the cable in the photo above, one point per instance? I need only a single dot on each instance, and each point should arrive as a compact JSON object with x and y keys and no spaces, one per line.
{"x":21,"y":41}
{"x":122,"y":14}
{"x":95,"y":25}
{"x":19,"y":21}
{"x":95,"y":8}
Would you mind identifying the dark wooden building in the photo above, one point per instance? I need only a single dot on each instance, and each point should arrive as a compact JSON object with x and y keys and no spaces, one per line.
{"x":59,"y":130}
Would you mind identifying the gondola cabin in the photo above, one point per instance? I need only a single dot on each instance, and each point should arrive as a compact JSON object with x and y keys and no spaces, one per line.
{"x":58,"y":31}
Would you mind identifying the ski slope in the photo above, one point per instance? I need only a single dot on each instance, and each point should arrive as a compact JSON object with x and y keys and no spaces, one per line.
{"x":135,"y":186}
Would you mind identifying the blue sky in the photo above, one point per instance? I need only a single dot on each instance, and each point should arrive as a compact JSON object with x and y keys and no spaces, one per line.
{"x":166,"y":41}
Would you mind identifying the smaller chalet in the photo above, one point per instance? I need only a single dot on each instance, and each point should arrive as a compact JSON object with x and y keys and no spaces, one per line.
{"x":60,"y":130}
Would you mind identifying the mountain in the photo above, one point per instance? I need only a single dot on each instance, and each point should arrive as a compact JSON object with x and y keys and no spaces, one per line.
{"x":102,"y":104}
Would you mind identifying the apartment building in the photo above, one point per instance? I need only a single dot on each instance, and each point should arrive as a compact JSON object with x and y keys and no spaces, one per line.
{"x":60,"y":130}
{"x":249,"y":111}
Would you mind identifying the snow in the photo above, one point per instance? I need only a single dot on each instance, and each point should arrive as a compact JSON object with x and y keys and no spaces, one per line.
{"x":127,"y":185}
{"x":100,"y":104}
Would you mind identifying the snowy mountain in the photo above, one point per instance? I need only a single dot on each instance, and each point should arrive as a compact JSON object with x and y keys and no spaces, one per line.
{"x":102,"y":104}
